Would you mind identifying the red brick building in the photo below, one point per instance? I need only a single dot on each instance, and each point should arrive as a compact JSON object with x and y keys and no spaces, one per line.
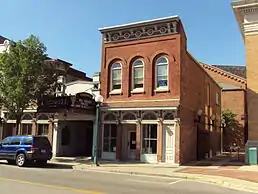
{"x":160,"y":105}
{"x":232,"y":80}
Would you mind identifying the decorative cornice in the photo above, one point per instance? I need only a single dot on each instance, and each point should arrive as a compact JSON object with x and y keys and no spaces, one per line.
{"x":248,"y":10}
{"x":250,"y":28}
{"x":245,"y":12}
{"x":224,"y":73}
{"x":137,"y":33}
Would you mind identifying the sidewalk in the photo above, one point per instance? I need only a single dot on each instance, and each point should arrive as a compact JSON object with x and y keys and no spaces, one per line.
{"x":221,"y":170}
{"x":235,"y":179}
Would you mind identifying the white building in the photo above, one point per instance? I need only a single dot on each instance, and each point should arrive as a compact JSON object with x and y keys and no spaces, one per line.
{"x":67,"y":119}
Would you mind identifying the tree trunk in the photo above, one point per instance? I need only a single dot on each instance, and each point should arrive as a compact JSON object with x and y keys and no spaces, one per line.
{"x":18,"y":123}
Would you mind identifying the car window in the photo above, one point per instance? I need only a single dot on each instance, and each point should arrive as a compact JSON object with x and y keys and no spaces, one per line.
{"x":6,"y":141}
{"x":15,"y":141}
{"x":27,"y":141}
{"x":41,"y":142}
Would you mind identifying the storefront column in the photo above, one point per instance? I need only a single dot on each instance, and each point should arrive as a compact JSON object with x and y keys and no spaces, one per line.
{"x":54,"y":130}
{"x":14,"y":130}
{"x":138,"y":141}
{"x":34,"y":127}
{"x":50,"y":132}
{"x":1,"y":130}
{"x":159,"y":141}
{"x":119,"y":142}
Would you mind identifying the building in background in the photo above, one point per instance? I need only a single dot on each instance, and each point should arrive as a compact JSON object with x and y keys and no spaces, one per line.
{"x":246,"y":12}
{"x":67,"y":118}
{"x":232,"y":80}
{"x":160,"y":105}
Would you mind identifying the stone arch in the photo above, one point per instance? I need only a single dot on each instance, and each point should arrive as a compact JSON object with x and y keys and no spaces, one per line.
{"x":158,"y":54}
{"x":27,"y":116}
{"x":42,"y":117}
{"x":149,"y":116}
{"x":169,"y":116}
{"x":110,"y":117}
{"x":114,"y":60}
{"x":136,"y":57}
{"x":129,"y":116}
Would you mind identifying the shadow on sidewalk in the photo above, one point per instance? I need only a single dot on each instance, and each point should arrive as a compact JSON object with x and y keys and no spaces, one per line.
{"x":223,"y":160}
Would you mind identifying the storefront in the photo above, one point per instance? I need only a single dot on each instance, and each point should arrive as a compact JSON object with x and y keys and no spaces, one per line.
{"x":67,"y":121}
{"x":148,"y":136}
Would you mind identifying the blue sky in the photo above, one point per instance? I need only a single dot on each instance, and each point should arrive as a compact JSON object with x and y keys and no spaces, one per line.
{"x":69,"y":28}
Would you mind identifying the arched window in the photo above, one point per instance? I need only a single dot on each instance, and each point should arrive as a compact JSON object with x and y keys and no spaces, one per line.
{"x":137,"y":74}
{"x":27,"y":117}
{"x":161,"y":72}
{"x":149,"y":116}
{"x":169,"y":116}
{"x":129,"y":116}
{"x":43,"y":117}
{"x":110,"y":117}
{"x":116,"y":76}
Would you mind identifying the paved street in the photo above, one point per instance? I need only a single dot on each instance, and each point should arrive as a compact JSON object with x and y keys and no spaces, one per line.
{"x":67,"y":181}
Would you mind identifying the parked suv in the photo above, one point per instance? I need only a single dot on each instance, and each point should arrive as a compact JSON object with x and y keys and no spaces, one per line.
{"x":22,"y":149}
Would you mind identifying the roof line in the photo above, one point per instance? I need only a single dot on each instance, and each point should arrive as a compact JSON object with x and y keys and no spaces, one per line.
{"x":134,"y":24}
{"x":200,"y":65}
{"x":223,"y":72}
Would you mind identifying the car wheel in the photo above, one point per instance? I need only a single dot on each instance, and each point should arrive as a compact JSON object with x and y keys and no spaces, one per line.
{"x":20,"y":160}
{"x":12,"y":162}
{"x":41,"y":162}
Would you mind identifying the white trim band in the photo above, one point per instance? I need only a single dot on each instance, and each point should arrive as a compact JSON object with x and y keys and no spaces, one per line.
{"x":137,"y":108}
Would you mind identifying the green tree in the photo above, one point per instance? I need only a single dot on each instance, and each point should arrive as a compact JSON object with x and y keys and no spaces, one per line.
{"x":233,"y":131}
{"x":25,"y":76}
{"x":229,"y":118}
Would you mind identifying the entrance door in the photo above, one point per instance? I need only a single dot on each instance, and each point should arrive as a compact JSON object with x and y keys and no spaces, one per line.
{"x":131,"y":145}
{"x":169,"y":133}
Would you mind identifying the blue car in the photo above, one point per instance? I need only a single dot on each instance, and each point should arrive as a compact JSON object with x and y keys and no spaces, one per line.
{"x":20,"y":150}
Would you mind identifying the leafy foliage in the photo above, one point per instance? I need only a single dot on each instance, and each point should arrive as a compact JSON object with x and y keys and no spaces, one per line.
{"x":233,"y":130}
{"x":229,"y":118}
{"x":25,"y":75}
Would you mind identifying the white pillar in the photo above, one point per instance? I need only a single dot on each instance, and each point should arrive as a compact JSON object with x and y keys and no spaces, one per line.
{"x":55,"y":140}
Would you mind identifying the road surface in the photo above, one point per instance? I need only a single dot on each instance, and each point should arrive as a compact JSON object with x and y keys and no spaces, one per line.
{"x":35,"y":180}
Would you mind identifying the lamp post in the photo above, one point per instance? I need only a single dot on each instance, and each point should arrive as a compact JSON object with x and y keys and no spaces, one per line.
{"x":98,"y":99}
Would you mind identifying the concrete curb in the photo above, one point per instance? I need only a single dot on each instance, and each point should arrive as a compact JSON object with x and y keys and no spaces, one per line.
{"x":231,"y":183}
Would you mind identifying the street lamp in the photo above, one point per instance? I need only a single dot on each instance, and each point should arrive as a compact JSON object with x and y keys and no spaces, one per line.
{"x":98,"y":99}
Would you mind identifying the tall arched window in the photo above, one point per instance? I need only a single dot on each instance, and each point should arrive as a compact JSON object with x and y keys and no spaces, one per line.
{"x":138,"y":74}
{"x":116,"y":76}
{"x":161,"y":72}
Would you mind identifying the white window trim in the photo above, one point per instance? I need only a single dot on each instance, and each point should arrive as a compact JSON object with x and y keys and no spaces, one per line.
{"x":161,"y":88}
{"x":115,"y":91}
{"x":133,"y":89}
{"x":43,"y":124}
{"x":26,"y":121}
{"x":142,"y":139}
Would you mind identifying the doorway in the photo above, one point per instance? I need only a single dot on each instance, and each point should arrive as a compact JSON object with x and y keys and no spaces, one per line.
{"x":131,"y":145}
{"x":169,"y":141}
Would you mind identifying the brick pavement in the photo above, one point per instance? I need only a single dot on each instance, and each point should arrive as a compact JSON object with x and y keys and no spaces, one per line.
{"x":229,"y":172}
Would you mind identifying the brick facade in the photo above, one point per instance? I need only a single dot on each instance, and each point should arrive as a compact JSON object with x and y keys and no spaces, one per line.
{"x":234,"y":99}
{"x":246,"y":13}
{"x":186,"y":93}
{"x":252,"y":76}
